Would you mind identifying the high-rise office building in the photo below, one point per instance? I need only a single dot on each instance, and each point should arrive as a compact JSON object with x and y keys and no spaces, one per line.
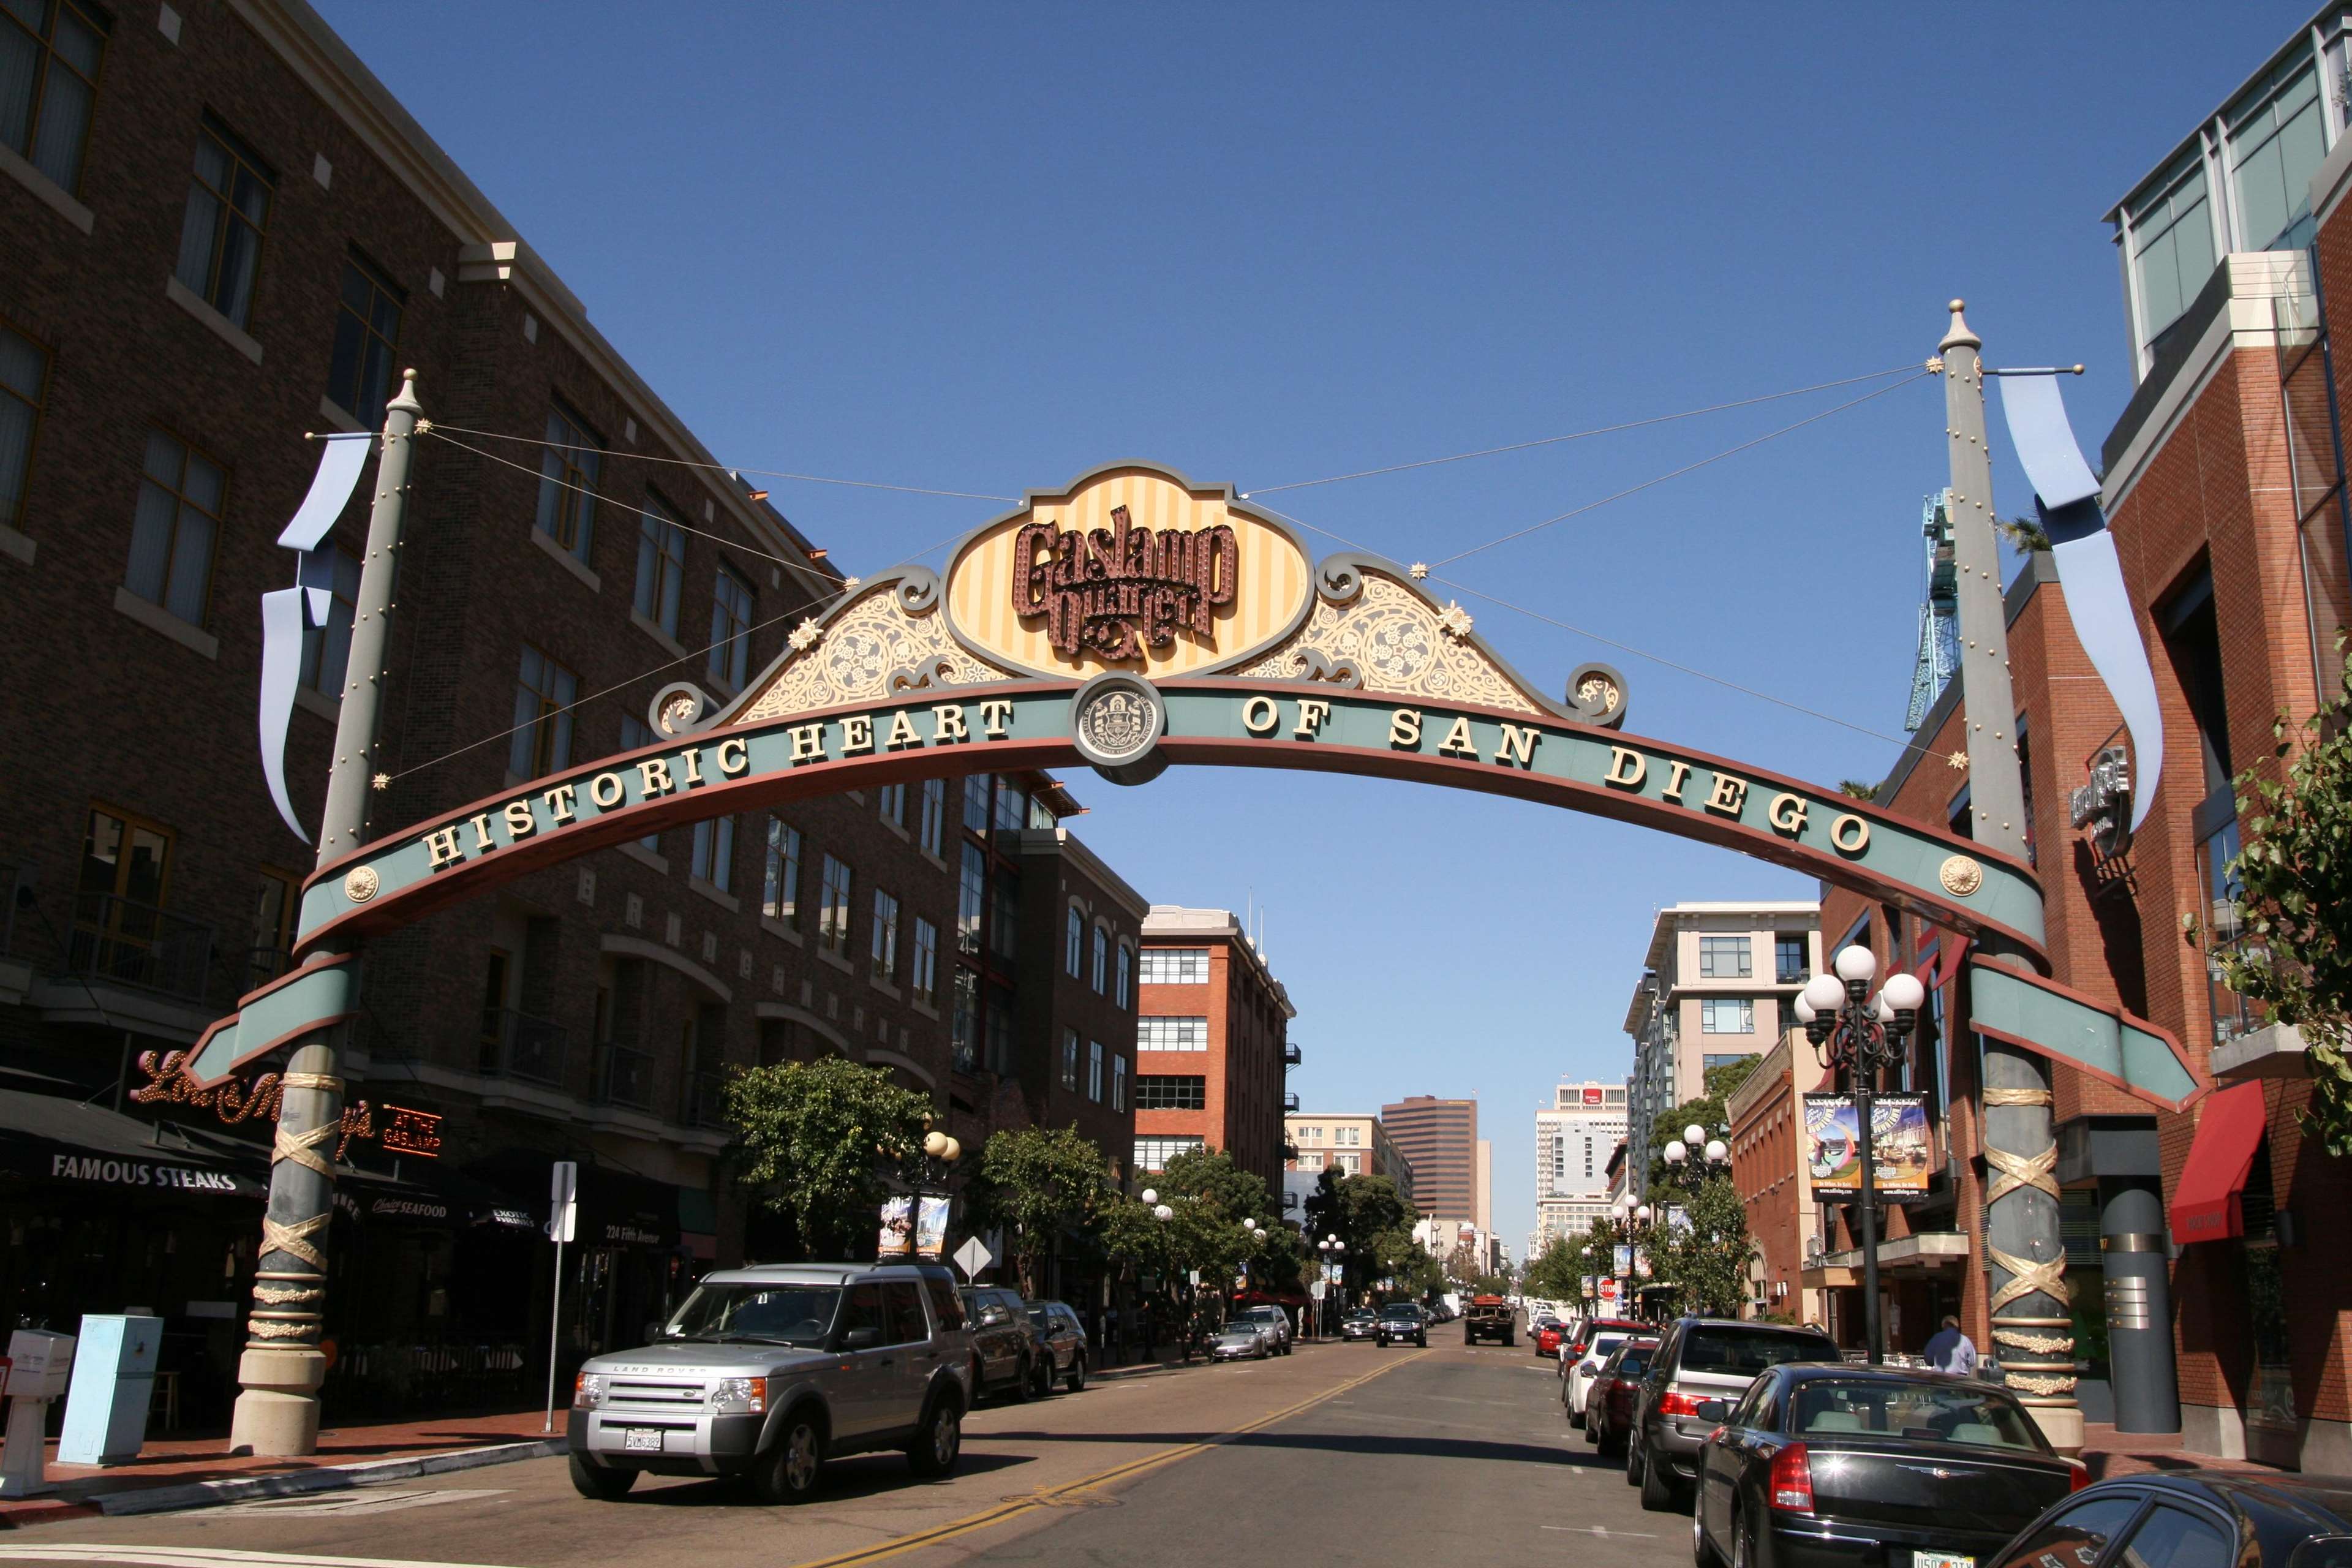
{"x":1574,"y":1137}
{"x":1439,"y":1138}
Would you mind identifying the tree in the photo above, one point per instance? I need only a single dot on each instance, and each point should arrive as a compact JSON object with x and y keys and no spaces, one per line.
{"x":1557,"y":1274}
{"x":2286,"y":941}
{"x":1707,"y":1109}
{"x":1707,"y":1259}
{"x":1365,"y":1213}
{"x":821,"y":1140}
{"x":1210,"y":1196}
{"x":1038,"y":1184}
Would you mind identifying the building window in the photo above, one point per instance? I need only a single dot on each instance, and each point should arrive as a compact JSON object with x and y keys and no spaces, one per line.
{"x":1102,"y":960}
{"x":2172,"y":245}
{"x":924,"y":983}
{"x":1725,"y":958}
{"x":568,"y":469}
{"x":884,"y":953}
{"x":1171,"y":1034}
{"x":50,"y":55}
{"x":1175,"y":966}
{"x":367,"y":341}
{"x":1011,"y":807}
{"x":543,"y":698}
{"x":327,"y":650}
{"x":181,"y":498}
{"x":1000,"y":1030}
{"x":273,"y":927}
{"x":731,"y":601}
{"x":1119,"y":1083}
{"x":1171,"y":1091}
{"x":1726,"y":1016}
{"x":1153,"y":1153}
{"x":634,"y":735}
{"x":126,"y":859}
{"x":220,"y":238}
{"x":1788,"y":959}
{"x":1075,"y":956}
{"x":780,"y":879}
{"x":894,"y":804}
{"x":934,"y":820}
{"x":1070,"y":1060}
{"x":1126,"y":975}
{"x":1352,"y":1136}
{"x":1094,"y":1071}
{"x":1353,"y":1165}
{"x":2276,"y":143}
{"x":2222,"y":914}
{"x":1004,"y":915}
{"x":714,"y":852}
{"x":661,"y":565}
{"x":971,"y":899}
{"x":24,"y":385}
{"x":833,"y":908}
{"x":975,"y":803}
{"x":1305,"y":1162}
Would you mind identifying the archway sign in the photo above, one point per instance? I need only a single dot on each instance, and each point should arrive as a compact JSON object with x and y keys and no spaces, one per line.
{"x":1131,"y":620}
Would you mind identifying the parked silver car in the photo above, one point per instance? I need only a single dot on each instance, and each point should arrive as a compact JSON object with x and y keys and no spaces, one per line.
{"x":768,"y":1371}
{"x":1239,"y":1341}
{"x":1275,"y":1320}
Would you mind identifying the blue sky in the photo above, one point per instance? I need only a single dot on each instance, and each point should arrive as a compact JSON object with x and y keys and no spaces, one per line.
{"x":983,"y":249}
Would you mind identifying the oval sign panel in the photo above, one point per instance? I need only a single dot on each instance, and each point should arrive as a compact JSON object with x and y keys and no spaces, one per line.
{"x":1133,"y":568}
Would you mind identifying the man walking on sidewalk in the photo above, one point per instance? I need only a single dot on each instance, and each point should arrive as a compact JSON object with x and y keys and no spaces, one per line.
{"x":1952,"y":1350}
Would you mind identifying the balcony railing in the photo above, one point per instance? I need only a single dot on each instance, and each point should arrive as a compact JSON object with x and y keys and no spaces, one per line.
{"x":119,"y":943}
{"x":1290,"y":1102}
{"x":624,"y":1076}
{"x":517,"y":1046}
{"x":704,"y":1104}
{"x":1291,"y":1057}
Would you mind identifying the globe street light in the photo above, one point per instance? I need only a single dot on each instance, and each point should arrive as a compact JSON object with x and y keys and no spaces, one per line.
{"x":1862,"y":1034}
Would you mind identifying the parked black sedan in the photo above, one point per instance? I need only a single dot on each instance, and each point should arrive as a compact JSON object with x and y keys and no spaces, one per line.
{"x":1821,"y":1464}
{"x":2197,"y":1521}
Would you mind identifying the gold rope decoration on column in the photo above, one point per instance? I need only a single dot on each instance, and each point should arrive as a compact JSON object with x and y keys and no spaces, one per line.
{"x":303,"y":1147}
{"x":2018,"y":1096}
{"x":296,"y":1239}
{"x":2017,"y":1172}
{"x":2027,"y":1278}
{"x":2043,"y":1345}
{"x":321,"y":1080}
{"x":286,"y":1296}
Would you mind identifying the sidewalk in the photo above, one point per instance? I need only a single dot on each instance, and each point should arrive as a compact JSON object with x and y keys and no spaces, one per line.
{"x":191,"y":1472}
{"x":2108,"y":1452}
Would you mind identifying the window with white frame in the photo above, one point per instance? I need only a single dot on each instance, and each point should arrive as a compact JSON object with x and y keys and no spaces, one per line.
{"x":1726,"y":958}
{"x":2277,"y":138}
{"x":1353,"y":1165}
{"x":1175,"y":966}
{"x":2171,"y":237}
{"x":1726,"y":1016}
{"x":1153,"y":1153}
{"x":1171,"y":1034}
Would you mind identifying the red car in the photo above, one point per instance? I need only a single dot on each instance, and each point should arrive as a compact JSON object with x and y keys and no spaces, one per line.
{"x":1609,"y":1403}
{"x":1548,"y":1336}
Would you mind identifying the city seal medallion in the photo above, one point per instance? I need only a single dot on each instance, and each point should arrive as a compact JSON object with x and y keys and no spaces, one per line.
{"x":1117,"y":719}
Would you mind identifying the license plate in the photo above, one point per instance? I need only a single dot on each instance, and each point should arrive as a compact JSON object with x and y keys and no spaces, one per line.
{"x":648,"y":1439}
{"x":1941,"y":1560}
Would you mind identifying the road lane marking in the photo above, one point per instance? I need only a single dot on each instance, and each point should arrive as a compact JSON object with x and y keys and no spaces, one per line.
{"x":208,"y":1557}
{"x":1046,"y":1497}
{"x":1601,"y":1530}
{"x":364,"y":1500}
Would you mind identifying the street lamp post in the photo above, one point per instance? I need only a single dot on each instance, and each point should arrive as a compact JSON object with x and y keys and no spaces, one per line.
{"x":1862,"y":1034}
{"x":1334,"y":1257}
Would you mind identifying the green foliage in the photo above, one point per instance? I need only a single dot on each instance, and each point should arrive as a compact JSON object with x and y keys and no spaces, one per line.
{"x":1859,"y":789}
{"x":820,"y":1141}
{"x":1037,"y":1184}
{"x":1373,"y":1221}
{"x":1558,"y":1273}
{"x":2294,"y":954}
{"x":1708,"y":1110}
{"x":1210,"y":1196}
{"x":1130,"y":1235}
{"x":2025,"y":533}
{"x":1708,"y":1259}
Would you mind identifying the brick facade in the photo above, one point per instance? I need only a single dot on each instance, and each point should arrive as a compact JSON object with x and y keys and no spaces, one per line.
{"x":1248,"y":1013}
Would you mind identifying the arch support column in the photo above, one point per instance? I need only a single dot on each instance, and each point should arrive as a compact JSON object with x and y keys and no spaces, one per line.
{"x":2032,"y":1320}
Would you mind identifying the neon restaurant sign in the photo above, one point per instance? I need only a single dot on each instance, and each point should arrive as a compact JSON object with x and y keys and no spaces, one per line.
{"x":1131,"y":621}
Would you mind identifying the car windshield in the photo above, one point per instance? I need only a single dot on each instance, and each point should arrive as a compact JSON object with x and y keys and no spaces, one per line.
{"x":787,"y":1314}
{"x":1720,"y":1348}
{"x":1927,"y":1412}
{"x":1360,"y":1316}
{"x":1398,"y":1312}
{"x":1239,"y":1332}
{"x":1603,"y":1344}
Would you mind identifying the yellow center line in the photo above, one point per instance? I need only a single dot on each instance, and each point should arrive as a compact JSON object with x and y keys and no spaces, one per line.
{"x":1046,"y":1497}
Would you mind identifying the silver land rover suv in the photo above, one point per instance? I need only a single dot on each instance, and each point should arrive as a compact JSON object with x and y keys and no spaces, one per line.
{"x":767,"y":1372}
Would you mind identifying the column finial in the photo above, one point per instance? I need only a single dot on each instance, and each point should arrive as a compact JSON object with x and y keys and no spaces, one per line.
{"x":1958,"y":335}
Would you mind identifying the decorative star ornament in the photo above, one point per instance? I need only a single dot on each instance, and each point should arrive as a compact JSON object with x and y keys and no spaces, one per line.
{"x":849,"y":583}
{"x":1957,"y":762}
{"x":1419,"y":570}
{"x":1454,"y":621}
{"x":382,"y":781}
{"x":807,"y":634}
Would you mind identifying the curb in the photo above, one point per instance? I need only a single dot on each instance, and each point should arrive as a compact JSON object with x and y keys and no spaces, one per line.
{"x":293,"y":1483}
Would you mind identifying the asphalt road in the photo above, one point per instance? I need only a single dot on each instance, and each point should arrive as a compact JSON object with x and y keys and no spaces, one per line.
{"x":1391,"y":1456}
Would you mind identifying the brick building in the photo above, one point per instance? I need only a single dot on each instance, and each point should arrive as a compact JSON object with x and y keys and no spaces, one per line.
{"x":1767,"y":1113}
{"x":1439,"y":1138}
{"x":1212,"y":1043}
{"x":218,"y":232}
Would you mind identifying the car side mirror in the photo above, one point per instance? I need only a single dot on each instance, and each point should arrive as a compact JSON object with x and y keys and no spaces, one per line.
{"x":1713,"y":1410}
{"x":861,"y":1339}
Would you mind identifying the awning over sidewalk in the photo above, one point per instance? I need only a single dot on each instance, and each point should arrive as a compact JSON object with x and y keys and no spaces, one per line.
{"x":2205,"y":1200}
{"x":51,"y":1139}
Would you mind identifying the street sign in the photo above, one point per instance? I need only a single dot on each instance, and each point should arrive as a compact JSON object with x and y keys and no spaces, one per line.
{"x":972,"y":1258}
{"x":1315,"y":1288}
{"x":564,"y":1202}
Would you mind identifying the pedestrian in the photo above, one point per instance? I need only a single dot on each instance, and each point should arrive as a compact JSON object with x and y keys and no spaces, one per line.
{"x":1952,"y":1350}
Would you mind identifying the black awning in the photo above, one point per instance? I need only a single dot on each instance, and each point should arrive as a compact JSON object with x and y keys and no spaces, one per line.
{"x":47,"y":1138}
{"x":427,"y":1193}
{"x":617,"y":1207}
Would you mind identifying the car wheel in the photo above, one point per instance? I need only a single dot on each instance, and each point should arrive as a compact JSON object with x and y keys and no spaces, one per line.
{"x":1024,"y":1382}
{"x":1701,"y":1554}
{"x":1635,"y":1464}
{"x":1044,"y":1385}
{"x":596,"y":1481}
{"x":788,"y":1472}
{"x":1743,"y":1539}
{"x":940,"y":1441}
{"x":1659,"y":1493}
{"x":1077,"y":1378}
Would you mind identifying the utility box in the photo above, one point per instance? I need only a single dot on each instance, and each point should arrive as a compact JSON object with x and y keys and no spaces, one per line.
{"x":114,"y":1385}
{"x":39,"y":1362}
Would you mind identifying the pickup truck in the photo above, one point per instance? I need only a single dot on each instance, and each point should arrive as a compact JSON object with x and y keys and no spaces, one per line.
{"x":768,"y":1371}
{"x":1489,"y":1318}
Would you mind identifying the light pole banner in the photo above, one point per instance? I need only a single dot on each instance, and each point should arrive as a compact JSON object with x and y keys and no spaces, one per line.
{"x":1900,"y":1145}
{"x":898,"y":1227}
{"x":1622,"y":1256}
{"x":931,"y":1225}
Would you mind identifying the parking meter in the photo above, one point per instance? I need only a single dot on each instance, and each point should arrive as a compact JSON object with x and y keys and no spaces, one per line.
{"x":38,"y":1362}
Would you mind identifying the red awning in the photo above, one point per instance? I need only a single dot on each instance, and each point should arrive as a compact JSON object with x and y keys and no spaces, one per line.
{"x":2205,"y":1199}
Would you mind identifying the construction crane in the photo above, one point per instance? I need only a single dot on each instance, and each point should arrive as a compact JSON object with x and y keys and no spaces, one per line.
{"x":1939,"y":626}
